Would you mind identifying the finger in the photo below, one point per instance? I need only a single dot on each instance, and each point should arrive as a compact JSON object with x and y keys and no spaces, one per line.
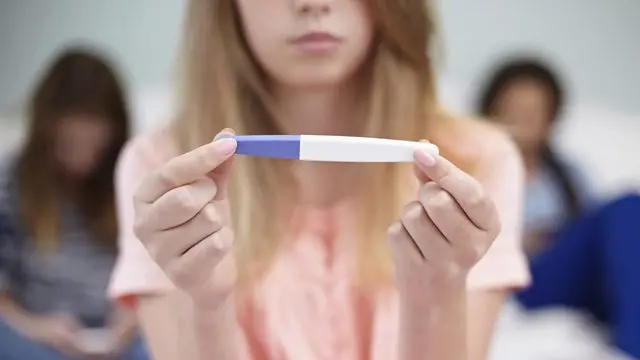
{"x":225,"y":133}
{"x":195,"y":267}
{"x":450,"y":220}
{"x":418,"y":173}
{"x":170,"y":244}
{"x":466,"y":190}
{"x":186,"y":168}
{"x":221,"y":173}
{"x":424,"y":233}
{"x":179,"y":205}
{"x":444,"y":211}
{"x":402,"y":246}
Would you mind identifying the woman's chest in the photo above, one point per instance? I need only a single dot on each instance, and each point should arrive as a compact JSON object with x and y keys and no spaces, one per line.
{"x":308,"y":307}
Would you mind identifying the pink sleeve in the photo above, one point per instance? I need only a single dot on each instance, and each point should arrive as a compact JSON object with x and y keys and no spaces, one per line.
{"x":504,"y":265}
{"x":135,"y":273}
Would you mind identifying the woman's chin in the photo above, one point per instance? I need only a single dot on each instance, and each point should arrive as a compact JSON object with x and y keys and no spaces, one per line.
{"x":317,"y":79}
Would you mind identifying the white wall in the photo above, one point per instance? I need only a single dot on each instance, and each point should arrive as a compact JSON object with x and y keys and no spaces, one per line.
{"x":594,"y":42}
{"x":140,"y":34}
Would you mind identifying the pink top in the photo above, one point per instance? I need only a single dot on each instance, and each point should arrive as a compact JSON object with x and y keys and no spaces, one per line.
{"x":306,"y":308}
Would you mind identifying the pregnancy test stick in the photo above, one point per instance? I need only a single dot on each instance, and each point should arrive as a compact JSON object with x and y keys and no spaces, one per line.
{"x":330,"y":148}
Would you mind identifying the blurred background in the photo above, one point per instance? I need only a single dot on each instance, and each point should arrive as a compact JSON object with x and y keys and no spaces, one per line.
{"x":592,"y":44}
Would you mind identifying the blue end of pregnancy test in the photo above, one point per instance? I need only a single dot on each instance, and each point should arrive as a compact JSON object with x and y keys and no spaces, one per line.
{"x":330,"y":148}
{"x":274,"y":146}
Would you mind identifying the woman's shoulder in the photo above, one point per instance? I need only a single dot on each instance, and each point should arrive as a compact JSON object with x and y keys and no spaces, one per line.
{"x":479,"y":142}
{"x":149,"y":149}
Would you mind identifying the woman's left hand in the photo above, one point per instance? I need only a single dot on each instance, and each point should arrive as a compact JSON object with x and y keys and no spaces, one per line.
{"x":444,"y":232}
{"x":118,"y":335}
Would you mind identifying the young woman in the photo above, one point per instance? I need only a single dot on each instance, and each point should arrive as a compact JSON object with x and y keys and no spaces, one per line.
{"x":249,"y":258}
{"x":58,"y":224}
{"x":583,"y":254}
{"x":526,"y":98}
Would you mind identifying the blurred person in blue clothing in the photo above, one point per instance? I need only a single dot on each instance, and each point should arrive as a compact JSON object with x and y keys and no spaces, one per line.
{"x":583,"y":254}
{"x":57,"y":219}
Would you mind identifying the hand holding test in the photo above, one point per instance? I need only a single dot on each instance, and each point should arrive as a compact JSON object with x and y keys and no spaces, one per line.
{"x":330,"y":148}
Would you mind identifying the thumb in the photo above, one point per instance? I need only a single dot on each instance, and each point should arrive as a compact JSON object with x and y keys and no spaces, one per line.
{"x":422,"y":177}
{"x":221,"y":174}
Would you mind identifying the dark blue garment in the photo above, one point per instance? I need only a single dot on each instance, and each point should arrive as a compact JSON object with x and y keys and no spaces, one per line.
{"x":14,"y":346}
{"x":593,"y":264}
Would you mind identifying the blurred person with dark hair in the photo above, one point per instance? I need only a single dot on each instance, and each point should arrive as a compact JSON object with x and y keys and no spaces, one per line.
{"x":584,"y":255}
{"x":526,"y":98}
{"x":58,"y":225}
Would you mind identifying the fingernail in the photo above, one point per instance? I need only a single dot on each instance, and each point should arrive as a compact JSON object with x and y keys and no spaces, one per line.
{"x":425,"y":158}
{"x":394,"y":229}
{"x":222,"y":242}
{"x":225,"y":133}
{"x":225,"y":146}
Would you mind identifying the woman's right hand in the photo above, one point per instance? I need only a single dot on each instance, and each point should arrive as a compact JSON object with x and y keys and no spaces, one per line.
{"x":182,"y":218}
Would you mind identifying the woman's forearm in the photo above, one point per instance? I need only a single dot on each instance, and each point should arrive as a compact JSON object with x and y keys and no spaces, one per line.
{"x":435,"y":328}
{"x":177,"y":328}
{"x":217,"y":331}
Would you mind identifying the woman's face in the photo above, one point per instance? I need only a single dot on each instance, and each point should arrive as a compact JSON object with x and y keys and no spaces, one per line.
{"x":81,"y":142}
{"x":307,"y":43}
{"x":524,"y":109}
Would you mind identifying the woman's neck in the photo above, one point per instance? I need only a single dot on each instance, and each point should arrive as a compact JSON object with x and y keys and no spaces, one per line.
{"x":331,"y":110}
{"x":327,"y":111}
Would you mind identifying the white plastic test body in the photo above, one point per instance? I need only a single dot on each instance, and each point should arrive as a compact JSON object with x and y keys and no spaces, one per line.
{"x":331,"y":148}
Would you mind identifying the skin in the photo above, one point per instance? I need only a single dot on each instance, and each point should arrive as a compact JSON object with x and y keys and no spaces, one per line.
{"x":523,"y":111}
{"x":182,"y":210}
{"x":56,"y":331}
{"x":80,"y":142}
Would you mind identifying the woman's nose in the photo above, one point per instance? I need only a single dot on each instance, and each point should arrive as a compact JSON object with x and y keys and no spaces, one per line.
{"x":312,"y":7}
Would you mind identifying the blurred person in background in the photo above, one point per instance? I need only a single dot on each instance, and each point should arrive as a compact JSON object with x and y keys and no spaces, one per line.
{"x":526,"y":98}
{"x":58,"y":226}
{"x":584,"y":255}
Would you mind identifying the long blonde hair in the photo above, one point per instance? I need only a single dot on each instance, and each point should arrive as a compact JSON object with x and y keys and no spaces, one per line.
{"x":222,"y":86}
